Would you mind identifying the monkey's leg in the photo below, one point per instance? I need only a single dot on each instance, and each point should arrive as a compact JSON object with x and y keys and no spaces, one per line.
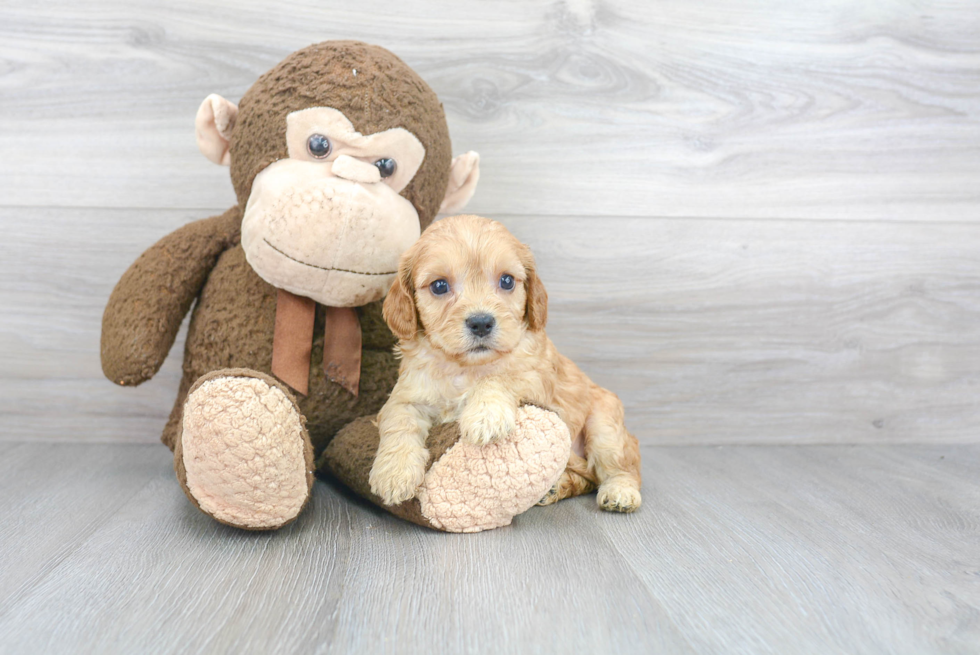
{"x":575,"y":480}
{"x":243,"y":455}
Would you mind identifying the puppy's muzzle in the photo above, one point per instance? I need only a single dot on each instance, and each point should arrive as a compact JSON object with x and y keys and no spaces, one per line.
{"x":480,"y":325}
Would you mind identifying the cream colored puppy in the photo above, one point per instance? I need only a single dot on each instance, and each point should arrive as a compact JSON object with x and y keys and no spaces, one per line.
{"x":469,"y":311}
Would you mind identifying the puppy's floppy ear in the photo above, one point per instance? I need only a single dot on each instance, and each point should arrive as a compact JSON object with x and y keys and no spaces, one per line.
{"x":536,"y":310}
{"x":399,"y":307}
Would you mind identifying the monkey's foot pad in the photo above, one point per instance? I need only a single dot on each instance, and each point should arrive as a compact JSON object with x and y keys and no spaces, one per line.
{"x":246,"y":456}
{"x":473,"y":488}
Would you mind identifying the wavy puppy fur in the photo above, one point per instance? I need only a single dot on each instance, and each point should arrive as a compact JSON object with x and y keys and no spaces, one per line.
{"x":470,"y":311}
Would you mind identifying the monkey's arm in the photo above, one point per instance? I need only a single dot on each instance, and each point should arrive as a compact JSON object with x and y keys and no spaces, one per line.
{"x":152,"y":297}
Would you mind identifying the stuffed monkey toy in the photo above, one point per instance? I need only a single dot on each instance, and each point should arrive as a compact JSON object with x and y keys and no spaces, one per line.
{"x":339,"y":156}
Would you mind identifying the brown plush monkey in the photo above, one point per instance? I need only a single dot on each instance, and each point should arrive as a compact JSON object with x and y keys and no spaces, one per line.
{"x":340,"y":156}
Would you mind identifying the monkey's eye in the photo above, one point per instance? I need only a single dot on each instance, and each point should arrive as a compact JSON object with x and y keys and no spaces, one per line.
{"x":318,"y":145}
{"x":506,"y":282}
{"x":386,"y":166}
{"x":439,"y":287}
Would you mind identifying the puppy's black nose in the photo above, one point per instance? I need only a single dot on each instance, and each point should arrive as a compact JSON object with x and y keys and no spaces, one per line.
{"x":480,"y":324}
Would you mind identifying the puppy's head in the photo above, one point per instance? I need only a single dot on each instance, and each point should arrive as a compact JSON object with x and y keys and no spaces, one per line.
{"x":470,"y":287}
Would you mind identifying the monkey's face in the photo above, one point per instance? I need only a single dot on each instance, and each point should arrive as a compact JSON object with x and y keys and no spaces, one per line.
{"x":364,"y":165}
{"x":328,"y":222}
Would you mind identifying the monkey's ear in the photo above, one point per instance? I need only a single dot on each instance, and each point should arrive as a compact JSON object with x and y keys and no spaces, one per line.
{"x":399,"y":307}
{"x":215,"y":120}
{"x":463,"y":176}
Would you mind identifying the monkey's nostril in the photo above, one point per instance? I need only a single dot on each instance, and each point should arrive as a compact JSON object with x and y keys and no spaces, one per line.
{"x":480,"y":324}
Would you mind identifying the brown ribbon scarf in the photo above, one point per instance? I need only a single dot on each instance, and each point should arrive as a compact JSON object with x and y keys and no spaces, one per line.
{"x":292,"y":343}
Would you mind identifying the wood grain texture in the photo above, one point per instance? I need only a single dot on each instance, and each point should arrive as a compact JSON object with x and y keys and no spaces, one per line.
{"x":811,"y":549}
{"x":738,"y":550}
{"x":757,"y":109}
{"x":771,"y":332}
{"x":52,"y":499}
{"x":710,"y":331}
{"x":636,"y":147}
{"x":55,"y":279}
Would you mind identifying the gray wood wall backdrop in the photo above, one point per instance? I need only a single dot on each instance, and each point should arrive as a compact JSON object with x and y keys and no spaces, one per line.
{"x":758,"y":221}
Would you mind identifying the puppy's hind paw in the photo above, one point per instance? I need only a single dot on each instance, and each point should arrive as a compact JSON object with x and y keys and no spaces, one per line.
{"x":615,"y":496}
{"x":551,"y":497}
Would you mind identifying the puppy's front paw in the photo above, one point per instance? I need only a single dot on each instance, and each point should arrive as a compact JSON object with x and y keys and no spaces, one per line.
{"x":484,"y":423}
{"x":397,"y":473}
{"x":618,"y":495}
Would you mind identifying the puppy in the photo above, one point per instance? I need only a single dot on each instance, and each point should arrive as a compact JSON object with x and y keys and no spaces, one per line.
{"x":469,"y":311}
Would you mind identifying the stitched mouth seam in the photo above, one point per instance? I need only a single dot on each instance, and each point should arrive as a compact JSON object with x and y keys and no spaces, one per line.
{"x":322,"y":268}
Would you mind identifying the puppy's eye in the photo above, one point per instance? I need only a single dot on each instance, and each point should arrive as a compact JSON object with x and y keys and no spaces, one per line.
{"x":439,"y":287}
{"x":318,"y":145}
{"x":506,"y":282}
{"x":386,"y":167}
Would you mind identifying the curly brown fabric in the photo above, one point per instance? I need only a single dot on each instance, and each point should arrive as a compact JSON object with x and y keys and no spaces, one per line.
{"x":149,"y":302}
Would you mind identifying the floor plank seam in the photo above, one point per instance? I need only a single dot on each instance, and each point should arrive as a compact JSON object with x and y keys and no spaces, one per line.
{"x":501,"y":216}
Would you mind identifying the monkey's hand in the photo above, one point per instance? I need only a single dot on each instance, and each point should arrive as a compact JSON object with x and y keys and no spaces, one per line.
{"x":398,"y":469}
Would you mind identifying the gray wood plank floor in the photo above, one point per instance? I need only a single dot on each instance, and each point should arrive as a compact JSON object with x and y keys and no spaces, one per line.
{"x":806,"y":549}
